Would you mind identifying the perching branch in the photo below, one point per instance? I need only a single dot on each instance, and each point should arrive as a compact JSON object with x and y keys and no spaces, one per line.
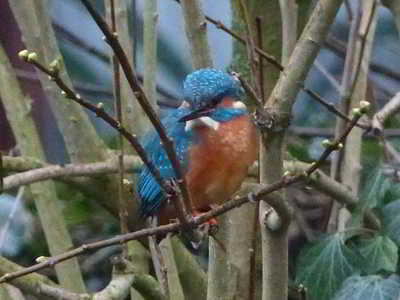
{"x":194,"y":222}
{"x":185,"y":206}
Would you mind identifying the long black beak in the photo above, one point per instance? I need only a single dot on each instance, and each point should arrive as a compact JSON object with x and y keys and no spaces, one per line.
{"x":202,"y":112}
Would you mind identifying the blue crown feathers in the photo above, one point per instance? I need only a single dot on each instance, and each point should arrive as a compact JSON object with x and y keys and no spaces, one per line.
{"x":205,"y":85}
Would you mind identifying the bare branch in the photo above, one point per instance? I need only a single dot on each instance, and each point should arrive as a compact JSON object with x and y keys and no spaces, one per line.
{"x":192,"y":223}
{"x":99,"y":111}
{"x":289,"y":16}
{"x":185,"y":206}
{"x":196,"y":32}
{"x":131,"y":163}
{"x":122,"y":199}
{"x":250,"y":45}
{"x":331,"y":107}
{"x":389,"y":109}
{"x":272,"y":60}
{"x":172,"y":273}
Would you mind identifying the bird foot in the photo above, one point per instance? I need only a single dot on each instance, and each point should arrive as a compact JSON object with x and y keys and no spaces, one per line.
{"x":210,"y":222}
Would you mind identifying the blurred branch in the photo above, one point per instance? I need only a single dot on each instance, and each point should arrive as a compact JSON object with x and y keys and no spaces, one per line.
{"x":124,"y":276}
{"x":338,"y":191}
{"x":272,"y":60}
{"x":174,"y":284}
{"x":196,"y":33}
{"x":184,"y":205}
{"x":329,"y":132}
{"x":28,"y":283}
{"x":150,"y":19}
{"x":331,"y":107}
{"x":64,"y":34}
{"x":81,"y":140}
{"x":158,"y":260}
{"x":250,"y":46}
{"x":220,"y":286}
{"x":349,"y":9}
{"x":261,"y":77}
{"x":281,"y":101}
{"x":47,"y":171}
{"x":391,"y":150}
{"x":122,"y":196}
{"x":5,"y":227}
{"x":289,"y":18}
{"x":388,"y":110}
{"x":394,"y":6}
{"x":260,"y":194}
{"x":18,"y":111}
{"x":98,"y":110}
{"x":192,"y":276}
{"x":320,"y":67}
{"x":338,"y":47}
{"x":10,"y":292}
{"x":347,"y":165}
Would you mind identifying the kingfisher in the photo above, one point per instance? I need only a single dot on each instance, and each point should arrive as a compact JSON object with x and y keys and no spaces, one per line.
{"x":215,"y":141}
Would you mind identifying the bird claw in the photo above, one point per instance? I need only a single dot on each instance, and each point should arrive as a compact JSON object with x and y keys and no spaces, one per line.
{"x":210,"y":222}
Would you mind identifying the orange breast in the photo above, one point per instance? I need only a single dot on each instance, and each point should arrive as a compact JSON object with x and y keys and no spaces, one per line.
{"x":219,"y":163}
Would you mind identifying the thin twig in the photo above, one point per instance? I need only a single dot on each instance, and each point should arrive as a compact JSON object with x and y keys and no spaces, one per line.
{"x":274,"y":62}
{"x":329,"y":132}
{"x":331,"y":107}
{"x":251,"y":92}
{"x":123,"y":206}
{"x":6,"y":226}
{"x":260,"y":59}
{"x":391,"y":150}
{"x":349,"y":10}
{"x":101,"y":113}
{"x":320,"y":67}
{"x":271,"y":59}
{"x":167,"y":142}
{"x":363,"y":37}
{"x":157,"y":259}
{"x":250,"y":45}
{"x":193,"y":222}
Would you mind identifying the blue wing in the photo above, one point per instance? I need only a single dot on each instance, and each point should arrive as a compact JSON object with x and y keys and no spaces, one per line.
{"x":150,"y":192}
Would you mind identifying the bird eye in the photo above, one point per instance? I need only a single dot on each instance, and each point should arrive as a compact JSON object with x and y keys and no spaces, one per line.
{"x":215,"y":101}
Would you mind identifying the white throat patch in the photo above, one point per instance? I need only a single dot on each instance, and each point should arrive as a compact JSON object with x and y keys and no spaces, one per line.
{"x":207,"y":121}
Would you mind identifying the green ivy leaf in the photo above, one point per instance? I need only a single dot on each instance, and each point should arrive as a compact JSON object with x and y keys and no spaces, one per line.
{"x":381,"y":253}
{"x":323,"y":267}
{"x":376,"y":187}
{"x":370,"y":287}
{"x":391,"y":220}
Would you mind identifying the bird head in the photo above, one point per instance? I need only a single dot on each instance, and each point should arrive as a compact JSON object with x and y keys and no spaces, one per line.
{"x":204,"y":92}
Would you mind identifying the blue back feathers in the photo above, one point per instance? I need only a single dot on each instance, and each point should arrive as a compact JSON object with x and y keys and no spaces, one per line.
{"x":151,"y":194}
{"x":200,"y":88}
